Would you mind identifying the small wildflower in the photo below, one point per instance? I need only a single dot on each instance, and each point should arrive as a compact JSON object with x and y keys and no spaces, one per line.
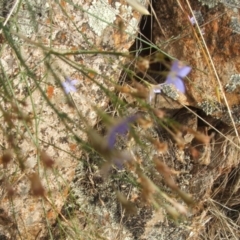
{"x":175,"y":77}
{"x":177,"y":73}
{"x":121,"y":128}
{"x":192,"y":20}
{"x":197,"y":19}
{"x":68,"y":85}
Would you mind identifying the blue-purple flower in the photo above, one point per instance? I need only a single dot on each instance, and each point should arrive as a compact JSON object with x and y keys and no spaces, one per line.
{"x":177,"y":73}
{"x":175,"y":77}
{"x":192,"y":20}
{"x":120,"y":128}
{"x":69,"y":85}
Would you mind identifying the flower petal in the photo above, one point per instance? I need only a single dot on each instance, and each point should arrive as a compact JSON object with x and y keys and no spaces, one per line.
{"x":178,"y":83}
{"x":72,"y":88}
{"x":175,"y":67}
{"x":121,"y":128}
{"x":66,"y":87}
{"x":180,"y":70}
{"x":184,"y":71}
{"x":74,"y":82}
{"x":192,"y":20}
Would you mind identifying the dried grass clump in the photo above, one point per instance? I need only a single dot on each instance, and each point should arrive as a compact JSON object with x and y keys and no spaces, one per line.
{"x":217,"y":215}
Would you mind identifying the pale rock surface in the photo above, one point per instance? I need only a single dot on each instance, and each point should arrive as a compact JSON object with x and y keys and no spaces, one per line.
{"x":53,"y":28}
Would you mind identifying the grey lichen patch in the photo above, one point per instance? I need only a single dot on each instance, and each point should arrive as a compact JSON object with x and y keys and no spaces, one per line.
{"x":231,"y":3}
{"x":209,"y":3}
{"x":83,"y":198}
{"x":235,"y":25}
{"x":234,"y":82}
{"x":30,"y":18}
{"x":199,"y":17}
{"x":101,"y":14}
{"x":235,"y":111}
{"x":210,"y":107}
{"x":170,"y":91}
{"x":127,"y":13}
{"x":132,"y":27}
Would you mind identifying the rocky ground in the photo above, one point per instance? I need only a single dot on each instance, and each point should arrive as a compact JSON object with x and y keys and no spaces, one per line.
{"x":54,"y":185}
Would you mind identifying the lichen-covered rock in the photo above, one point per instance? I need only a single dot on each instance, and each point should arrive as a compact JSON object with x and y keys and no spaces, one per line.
{"x":220,"y":32}
{"x":49,"y":42}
